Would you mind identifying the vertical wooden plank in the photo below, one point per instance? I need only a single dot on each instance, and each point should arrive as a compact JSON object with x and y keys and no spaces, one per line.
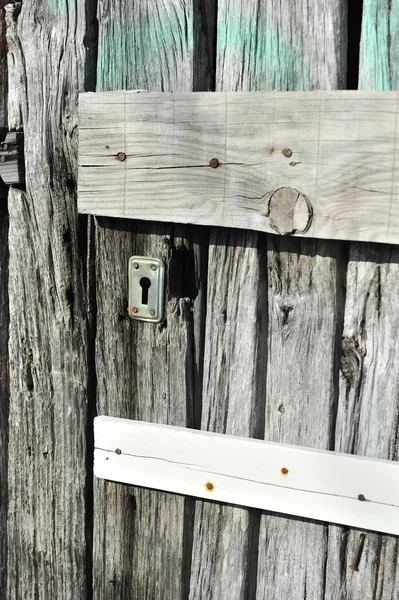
{"x":4,"y":322}
{"x":142,"y":538}
{"x":304,"y":47}
{"x":268,"y":46}
{"x":367,"y":419}
{"x":47,"y":437}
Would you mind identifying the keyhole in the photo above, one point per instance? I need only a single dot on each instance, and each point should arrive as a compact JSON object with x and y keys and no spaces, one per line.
{"x":145,"y":284}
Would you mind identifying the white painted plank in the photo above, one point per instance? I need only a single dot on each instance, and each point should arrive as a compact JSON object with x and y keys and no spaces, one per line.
{"x":344,"y":160}
{"x":319,"y":485}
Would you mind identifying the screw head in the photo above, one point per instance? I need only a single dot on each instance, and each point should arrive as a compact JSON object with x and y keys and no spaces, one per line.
{"x":153,"y":267}
{"x":135,"y":265}
{"x":284,"y":471}
{"x":361,"y":497}
{"x":152,"y":313}
{"x":287,"y":152}
{"x":118,"y":451}
{"x":214,"y":163}
{"x":135,"y":310}
{"x":121,"y":156}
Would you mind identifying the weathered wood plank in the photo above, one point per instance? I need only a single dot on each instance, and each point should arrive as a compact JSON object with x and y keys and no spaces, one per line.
{"x":47,"y":438}
{"x":233,"y":389}
{"x":304,"y":295}
{"x":4,"y":323}
{"x":367,"y":417}
{"x":141,"y":537}
{"x":224,"y":560}
{"x":326,"y":486}
{"x":336,"y":150}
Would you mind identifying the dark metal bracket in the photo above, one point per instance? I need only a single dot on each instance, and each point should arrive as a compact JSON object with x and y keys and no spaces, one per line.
{"x":12,"y":164}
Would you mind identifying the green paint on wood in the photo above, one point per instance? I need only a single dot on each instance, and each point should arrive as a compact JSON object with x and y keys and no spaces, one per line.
{"x":269,"y":61}
{"x":379,"y":60}
{"x":147,"y":48}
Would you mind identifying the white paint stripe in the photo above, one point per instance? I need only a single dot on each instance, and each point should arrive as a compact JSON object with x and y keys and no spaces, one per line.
{"x":319,"y":485}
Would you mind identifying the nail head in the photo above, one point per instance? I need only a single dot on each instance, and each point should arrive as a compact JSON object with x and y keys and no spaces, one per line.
{"x":118,"y":451}
{"x":214,"y":163}
{"x":287,"y":152}
{"x":121,"y":156}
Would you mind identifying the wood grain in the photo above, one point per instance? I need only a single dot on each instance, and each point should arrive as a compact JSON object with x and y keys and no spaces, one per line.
{"x":367,"y":417}
{"x":142,"y":538}
{"x":48,"y":374}
{"x":4,"y":324}
{"x":337,"y":151}
{"x":305,"y":297}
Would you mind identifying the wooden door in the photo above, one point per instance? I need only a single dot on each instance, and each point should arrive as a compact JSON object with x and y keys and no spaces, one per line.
{"x":271,"y":337}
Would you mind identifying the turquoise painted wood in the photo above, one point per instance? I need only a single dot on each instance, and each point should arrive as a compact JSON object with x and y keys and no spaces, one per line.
{"x":379,"y":55}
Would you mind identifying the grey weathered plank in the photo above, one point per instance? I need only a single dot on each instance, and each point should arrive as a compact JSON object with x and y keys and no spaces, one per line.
{"x":4,"y":322}
{"x":336,"y":150}
{"x":305,"y":296}
{"x":233,"y":392}
{"x":47,"y":438}
{"x":148,"y":372}
{"x":367,"y":418}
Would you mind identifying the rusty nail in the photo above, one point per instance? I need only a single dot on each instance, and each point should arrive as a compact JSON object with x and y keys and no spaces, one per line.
{"x":2,"y":159}
{"x":284,"y":471}
{"x":135,"y":310}
{"x":118,"y":451}
{"x":287,"y":152}
{"x":154,"y":267}
{"x":358,"y":553}
{"x":121,"y":156}
{"x":209,"y":486}
{"x":361,"y":497}
{"x":136,"y":265}
{"x":152,"y":312}
{"x":214,"y":163}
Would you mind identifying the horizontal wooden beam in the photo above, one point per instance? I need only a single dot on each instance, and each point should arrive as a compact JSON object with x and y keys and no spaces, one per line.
{"x":314,"y":164}
{"x":326,"y":486}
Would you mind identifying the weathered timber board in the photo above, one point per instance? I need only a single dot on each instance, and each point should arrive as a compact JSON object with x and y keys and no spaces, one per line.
{"x":48,"y":535}
{"x":320,"y":485}
{"x":4,"y":322}
{"x":367,"y":412}
{"x":267,"y":46}
{"x":341,"y":162}
{"x":142,"y":538}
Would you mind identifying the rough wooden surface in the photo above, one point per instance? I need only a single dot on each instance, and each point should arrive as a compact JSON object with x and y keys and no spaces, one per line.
{"x":233,"y":392}
{"x":335,"y":151}
{"x":142,"y":538}
{"x":4,"y":322}
{"x":47,"y":441}
{"x":367,"y":416}
{"x":305,"y":297}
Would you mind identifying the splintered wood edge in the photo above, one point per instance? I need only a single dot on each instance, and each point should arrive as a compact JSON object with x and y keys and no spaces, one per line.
{"x":327,"y":486}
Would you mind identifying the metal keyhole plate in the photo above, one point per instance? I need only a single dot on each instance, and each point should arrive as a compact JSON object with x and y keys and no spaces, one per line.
{"x":146,"y":288}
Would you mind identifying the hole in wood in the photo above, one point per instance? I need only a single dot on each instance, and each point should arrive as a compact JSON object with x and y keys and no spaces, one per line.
{"x":145,"y":285}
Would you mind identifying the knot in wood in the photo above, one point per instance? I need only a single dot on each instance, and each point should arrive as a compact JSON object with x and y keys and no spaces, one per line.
{"x":289,"y":211}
